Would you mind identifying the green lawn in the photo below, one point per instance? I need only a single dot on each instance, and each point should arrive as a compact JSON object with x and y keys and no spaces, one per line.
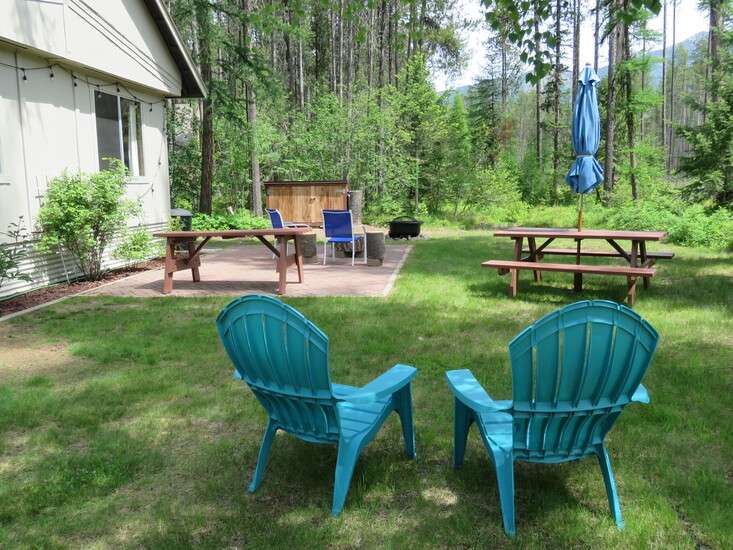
{"x":121,"y":425}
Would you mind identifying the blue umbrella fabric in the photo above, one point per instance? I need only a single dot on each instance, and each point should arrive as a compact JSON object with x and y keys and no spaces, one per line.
{"x":586,"y":174}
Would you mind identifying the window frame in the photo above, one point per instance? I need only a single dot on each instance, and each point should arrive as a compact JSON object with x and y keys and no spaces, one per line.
{"x":140,"y":176}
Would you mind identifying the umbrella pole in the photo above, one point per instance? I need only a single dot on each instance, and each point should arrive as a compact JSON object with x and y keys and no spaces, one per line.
{"x":580,"y":212}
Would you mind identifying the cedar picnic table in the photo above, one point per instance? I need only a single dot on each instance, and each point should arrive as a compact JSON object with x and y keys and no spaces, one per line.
{"x":640,"y":261}
{"x":192,"y":261}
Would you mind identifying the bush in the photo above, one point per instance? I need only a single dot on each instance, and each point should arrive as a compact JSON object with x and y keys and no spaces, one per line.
{"x":13,"y":252}
{"x":138,"y":245}
{"x":81,"y":214}
{"x":687,"y":225}
{"x":242,"y":219}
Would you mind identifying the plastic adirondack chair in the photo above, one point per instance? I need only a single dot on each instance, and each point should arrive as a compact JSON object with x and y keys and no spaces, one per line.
{"x":338,"y":227}
{"x":283,"y":358}
{"x":573,"y":372}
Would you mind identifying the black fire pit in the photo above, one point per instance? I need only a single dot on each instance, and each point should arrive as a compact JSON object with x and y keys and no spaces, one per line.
{"x":404,"y":227}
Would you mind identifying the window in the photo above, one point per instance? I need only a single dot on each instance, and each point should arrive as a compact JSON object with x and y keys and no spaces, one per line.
{"x":119,"y":131}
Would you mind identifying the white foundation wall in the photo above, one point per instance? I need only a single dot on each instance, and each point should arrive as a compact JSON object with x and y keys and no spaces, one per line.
{"x":47,"y":126}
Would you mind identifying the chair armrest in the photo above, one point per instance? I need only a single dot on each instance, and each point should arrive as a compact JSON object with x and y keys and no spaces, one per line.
{"x":641,"y":395}
{"x":469,"y":391}
{"x":383,"y":386}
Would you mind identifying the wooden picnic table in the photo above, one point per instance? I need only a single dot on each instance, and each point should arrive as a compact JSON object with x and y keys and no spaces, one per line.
{"x":640,"y":261}
{"x":192,"y":260}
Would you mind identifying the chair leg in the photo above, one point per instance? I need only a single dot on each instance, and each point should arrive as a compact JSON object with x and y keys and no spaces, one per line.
{"x":610,"y":481}
{"x":463,"y":418}
{"x":365,"y":250}
{"x":325,"y":252}
{"x":348,"y":454}
{"x":353,"y":252}
{"x":403,"y":405}
{"x":505,"y":480}
{"x":262,"y":458}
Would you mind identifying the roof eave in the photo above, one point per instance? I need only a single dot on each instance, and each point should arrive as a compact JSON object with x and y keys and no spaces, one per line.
{"x":192,"y":85}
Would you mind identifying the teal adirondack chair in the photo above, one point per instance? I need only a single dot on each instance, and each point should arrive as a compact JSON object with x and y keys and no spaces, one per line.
{"x":283,"y":358}
{"x":573,"y":372}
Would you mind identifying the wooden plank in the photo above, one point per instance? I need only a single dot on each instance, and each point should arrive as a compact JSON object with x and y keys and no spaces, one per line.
{"x":561,"y":233}
{"x":596,"y":253}
{"x":573,"y":268}
{"x":619,"y":249}
{"x":233,"y":233}
{"x":533,"y":258}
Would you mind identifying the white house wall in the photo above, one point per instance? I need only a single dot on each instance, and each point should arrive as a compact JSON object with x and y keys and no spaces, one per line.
{"x":47,"y":126}
{"x":116,"y":37}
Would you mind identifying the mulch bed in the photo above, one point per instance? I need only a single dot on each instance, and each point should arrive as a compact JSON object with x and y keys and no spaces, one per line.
{"x":54,"y":292}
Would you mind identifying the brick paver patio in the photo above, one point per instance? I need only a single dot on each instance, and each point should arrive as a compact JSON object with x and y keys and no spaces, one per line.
{"x":249,"y":269}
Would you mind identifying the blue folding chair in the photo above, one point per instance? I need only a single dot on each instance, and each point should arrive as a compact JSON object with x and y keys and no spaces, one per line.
{"x":283,"y":358}
{"x":338,"y":227}
{"x":573,"y":372}
{"x":277,"y":222}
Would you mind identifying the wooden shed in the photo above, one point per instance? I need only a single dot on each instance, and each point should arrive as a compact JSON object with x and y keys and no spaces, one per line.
{"x":303,"y":201}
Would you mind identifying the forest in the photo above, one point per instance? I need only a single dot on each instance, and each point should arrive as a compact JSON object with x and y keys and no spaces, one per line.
{"x":304,"y":89}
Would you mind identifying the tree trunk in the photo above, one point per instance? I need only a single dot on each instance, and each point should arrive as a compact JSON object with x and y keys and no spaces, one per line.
{"x":630,"y":123}
{"x":610,"y":112}
{"x":203,"y":23}
{"x":576,"y":52}
{"x":538,"y":110}
{"x":715,"y":29}
{"x":663,"y":121}
{"x":670,"y":138}
{"x":596,"y":35}
{"x":251,"y":100}
{"x":556,"y":101}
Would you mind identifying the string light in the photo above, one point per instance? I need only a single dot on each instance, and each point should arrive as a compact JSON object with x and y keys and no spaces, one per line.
{"x":75,"y":79}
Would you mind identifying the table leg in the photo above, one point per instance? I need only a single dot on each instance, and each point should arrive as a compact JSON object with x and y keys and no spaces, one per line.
{"x":642,"y":253}
{"x":533,"y":257}
{"x":193,"y":261}
{"x":631,"y":294}
{"x":169,"y":266}
{"x":298,"y":259}
{"x":577,"y":277}
{"x":514,"y":273}
{"x":282,"y":264}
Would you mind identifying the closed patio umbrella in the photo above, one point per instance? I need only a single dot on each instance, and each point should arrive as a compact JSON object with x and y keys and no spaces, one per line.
{"x":586,"y":173}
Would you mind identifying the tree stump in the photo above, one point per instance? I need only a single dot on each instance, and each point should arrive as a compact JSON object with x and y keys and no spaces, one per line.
{"x":308,"y":248}
{"x":356,"y":205}
{"x":375,"y":247}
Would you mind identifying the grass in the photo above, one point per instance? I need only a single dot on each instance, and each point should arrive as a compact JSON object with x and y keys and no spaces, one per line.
{"x":121,"y":426}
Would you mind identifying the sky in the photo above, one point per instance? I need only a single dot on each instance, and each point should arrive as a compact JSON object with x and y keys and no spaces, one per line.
{"x":690,"y":21}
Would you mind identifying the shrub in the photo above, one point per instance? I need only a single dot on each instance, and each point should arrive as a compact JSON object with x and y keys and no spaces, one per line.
{"x":81,"y":214}
{"x":138,"y":245}
{"x":13,"y":252}
{"x":241,"y":219}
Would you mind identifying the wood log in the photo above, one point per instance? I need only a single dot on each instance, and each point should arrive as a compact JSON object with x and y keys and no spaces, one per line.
{"x":308,"y":247}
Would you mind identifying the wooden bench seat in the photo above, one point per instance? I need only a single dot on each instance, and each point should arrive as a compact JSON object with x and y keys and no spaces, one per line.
{"x":597,"y":253}
{"x":513,"y":267}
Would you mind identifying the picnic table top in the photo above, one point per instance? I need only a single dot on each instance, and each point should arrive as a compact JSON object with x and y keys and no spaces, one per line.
{"x":233,"y":233}
{"x":565,"y":233}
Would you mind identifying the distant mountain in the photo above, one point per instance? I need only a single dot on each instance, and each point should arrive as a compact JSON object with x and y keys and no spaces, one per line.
{"x":656,"y":69}
{"x":655,"y":72}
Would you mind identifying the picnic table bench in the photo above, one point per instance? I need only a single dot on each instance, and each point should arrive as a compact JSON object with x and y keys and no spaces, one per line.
{"x":640,"y":261}
{"x":192,"y":260}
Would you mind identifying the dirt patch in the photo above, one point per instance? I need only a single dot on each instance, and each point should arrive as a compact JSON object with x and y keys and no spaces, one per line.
{"x":50,"y":293}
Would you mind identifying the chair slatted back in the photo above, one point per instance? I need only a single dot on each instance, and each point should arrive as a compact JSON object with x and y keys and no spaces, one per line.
{"x":337,"y":223}
{"x":573,"y":371}
{"x":283,"y":358}
{"x":276,"y":218}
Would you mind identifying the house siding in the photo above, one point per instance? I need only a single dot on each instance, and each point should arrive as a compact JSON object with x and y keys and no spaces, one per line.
{"x":48,"y":127}
{"x":117,"y":38}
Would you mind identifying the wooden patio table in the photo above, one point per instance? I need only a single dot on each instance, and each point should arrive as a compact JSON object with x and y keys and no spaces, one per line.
{"x":192,"y":261}
{"x":640,"y":261}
